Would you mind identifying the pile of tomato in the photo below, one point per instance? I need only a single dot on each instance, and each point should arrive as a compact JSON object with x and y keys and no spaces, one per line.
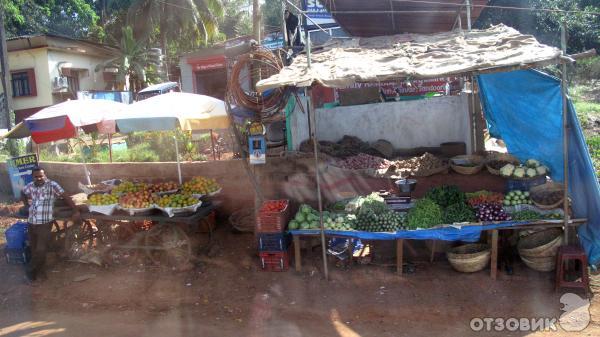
{"x":273,"y":206}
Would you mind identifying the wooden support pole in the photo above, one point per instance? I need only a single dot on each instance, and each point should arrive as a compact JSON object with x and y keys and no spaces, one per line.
{"x":313,"y":137}
{"x":399,"y":256}
{"x":212,"y":143}
{"x":563,"y":39}
{"x":297,"y":256}
{"x":494,"y":258}
{"x":110,"y":147}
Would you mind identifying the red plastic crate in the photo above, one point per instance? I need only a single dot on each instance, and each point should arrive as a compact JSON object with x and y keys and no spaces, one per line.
{"x":273,"y":222}
{"x":274,"y":261}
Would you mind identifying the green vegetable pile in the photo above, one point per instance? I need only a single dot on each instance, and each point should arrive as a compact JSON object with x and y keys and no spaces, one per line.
{"x":526,"y":215}
{"x":460,"y":212}
{"x":516,"y":197}
{"x":308,"y":218}
{"x":425,"y":214}
{"x":386,"y":221}
{"x":446,"y":195}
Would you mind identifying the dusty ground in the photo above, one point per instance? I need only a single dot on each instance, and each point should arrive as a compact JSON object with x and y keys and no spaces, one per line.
{"x":227,"y":295}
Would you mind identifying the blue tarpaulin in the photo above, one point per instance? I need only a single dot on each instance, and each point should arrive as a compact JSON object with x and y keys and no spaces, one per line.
{"x":524,"y":108}
{"x":465,"y":233}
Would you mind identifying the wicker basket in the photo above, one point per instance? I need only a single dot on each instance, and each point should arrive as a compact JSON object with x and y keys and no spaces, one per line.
{"x":469,"y":258}
{"x":541,"y":244}
{"x":474,"y":159}
{"x":544,"y":263}
{"x":547,"y":187}
{"x":500,"y":156}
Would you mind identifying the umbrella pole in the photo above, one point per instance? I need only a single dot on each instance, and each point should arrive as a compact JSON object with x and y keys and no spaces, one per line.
{"x":110,"y":147}
{"x":212,"y":142}
{"x":178,"y":162}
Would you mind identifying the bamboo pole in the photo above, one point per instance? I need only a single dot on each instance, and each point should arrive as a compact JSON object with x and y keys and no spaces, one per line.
{"x":313,"y":137}
{"x":563,"y":40}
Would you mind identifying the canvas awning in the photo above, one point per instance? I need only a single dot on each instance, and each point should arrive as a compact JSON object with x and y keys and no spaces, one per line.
{"x":373,"y":59}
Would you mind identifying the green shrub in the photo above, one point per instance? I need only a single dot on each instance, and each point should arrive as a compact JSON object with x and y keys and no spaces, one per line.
{"x":588,"y":69}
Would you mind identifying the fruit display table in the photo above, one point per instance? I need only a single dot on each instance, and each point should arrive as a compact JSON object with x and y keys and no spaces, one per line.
{"x":470,"y":232}
{"x":161,"y":238}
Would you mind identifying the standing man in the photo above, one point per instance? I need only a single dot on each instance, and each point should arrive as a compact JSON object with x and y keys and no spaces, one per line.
{"x":42,"y":193}
{"x":291,"y":25}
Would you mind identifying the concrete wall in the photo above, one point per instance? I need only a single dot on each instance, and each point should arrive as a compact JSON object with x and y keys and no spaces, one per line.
{"x":88,"y":80}
{"x":279,"y":178}
{"x":38,"y":60}
{"x":409,"y":124}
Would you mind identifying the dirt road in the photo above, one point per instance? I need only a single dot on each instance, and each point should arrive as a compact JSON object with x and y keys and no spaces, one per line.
{"x":227,"y":295}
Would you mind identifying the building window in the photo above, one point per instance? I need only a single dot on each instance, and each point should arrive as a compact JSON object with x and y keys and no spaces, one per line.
{"x":23,"y":83}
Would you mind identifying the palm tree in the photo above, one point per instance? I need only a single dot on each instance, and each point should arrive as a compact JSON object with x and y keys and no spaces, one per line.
{"x":132,"y":61}
{"x":175,"y":18}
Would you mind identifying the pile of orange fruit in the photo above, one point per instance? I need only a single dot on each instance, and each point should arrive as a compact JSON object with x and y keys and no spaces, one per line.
{"x":200,"y":185}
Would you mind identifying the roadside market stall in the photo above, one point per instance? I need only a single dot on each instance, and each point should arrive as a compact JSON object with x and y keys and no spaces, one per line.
{"x":127,"y":218}
{"x":491,"y":58}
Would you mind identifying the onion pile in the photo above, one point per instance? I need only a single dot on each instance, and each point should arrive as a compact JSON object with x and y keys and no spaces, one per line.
{"x":491,"y":212}
{"x":364,"y":161}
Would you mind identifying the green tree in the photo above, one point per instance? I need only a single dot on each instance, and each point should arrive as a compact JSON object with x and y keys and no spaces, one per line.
{"x":132,"y":61}
{"x":72,"y":18}
{"x":237,"y":18}
{"x":583,"y":27}
{"x":176,"y":19}
{"x":271,"y":13}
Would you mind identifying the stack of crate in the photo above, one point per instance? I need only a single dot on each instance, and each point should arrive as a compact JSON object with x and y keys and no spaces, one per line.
{"x":272,"y":239}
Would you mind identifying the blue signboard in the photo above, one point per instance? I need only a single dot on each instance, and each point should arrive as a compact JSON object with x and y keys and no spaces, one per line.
{"x":258,"y":149}
{"x":19,"y":171}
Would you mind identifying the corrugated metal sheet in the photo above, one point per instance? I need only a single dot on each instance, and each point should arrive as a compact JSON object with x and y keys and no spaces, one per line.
{"x":344,"y":62}
{"x":425,"y":17}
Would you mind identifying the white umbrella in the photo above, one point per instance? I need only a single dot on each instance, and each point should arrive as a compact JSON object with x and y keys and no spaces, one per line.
{"x":171,"y":111}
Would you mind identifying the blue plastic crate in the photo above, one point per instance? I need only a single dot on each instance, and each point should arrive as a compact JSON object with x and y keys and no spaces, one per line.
{"x":16,"y":235}
{"x":276,"y":242}
{"x":17,"y":255}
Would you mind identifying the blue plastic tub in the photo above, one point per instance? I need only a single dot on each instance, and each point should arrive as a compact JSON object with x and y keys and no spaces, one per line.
{"x":16,"y":236}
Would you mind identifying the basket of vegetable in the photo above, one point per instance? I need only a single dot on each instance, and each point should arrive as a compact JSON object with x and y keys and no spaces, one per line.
{"x":467,"y":164}
{"x":469,"y":258}
{"x":547,"y":196}
{"x":495,"y":161}
{"x":273,"y":216}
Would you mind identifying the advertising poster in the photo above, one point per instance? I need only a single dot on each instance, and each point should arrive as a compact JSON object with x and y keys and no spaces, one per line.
{"x":258,"y":150}
{"x":19,"y":171}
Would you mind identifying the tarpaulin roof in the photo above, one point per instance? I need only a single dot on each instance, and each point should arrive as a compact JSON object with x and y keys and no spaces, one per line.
{"x":346,"y":61}
{"x":385,"y":17}
{"x":525,"y":109}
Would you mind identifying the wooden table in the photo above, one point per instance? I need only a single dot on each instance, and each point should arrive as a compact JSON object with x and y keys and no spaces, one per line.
{"x":400,"y":242}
